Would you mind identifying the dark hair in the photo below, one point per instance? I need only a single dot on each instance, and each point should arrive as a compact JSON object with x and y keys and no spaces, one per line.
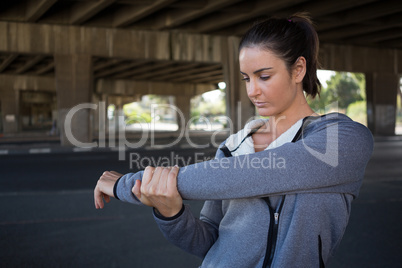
{"x":289,"y":39}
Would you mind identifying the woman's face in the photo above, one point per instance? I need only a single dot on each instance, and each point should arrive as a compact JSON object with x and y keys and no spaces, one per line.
{"x":269,"y":85}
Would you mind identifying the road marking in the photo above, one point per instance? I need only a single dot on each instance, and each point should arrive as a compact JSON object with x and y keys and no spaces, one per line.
{"x":186,"y":146}
{"x":78,"y":149}
{"x":23,"y":222}
{"x":64,"y":192}
{"x":40,"y":151}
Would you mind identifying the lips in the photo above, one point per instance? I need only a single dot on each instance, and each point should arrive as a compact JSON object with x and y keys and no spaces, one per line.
{"x":259,"y":104}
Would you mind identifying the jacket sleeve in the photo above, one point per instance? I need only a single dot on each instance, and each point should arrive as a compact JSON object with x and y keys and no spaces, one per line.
{"x":124,"y":186}
{"x":331,"y":158}
{"x":195,"y":236}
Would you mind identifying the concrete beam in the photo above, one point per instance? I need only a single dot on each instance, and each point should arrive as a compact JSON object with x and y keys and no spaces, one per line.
{"x":167,"y":71}
{"x":25,"y":82}
{"x":393,"y":21}
{"x":178,"y":17}
{"x":130,"y":15}
{"x":146,"y":69}
{"x":7,"y":61}
{"x":381,"y":36}
{"x":105,"y":86}
{"x":59,"y":39}
{"x":197,"y":76}
{"x":261,"y":7}
{"x":106,"y":64}
{"x":82,"y":12}
{"x":118,"y":69}
{"x":108,"y":43}
{"x":45,"y":69}
{"x":36,"y":8}
{"x":132,"y":88}
{"x":29,"y":64}
{"x":196,"y":47}
{"x":210,"y":79}
{"x":326,"y":8}
{"x":360,"y":59}
{"x":376,"y":10}
{"x":179,"y":73}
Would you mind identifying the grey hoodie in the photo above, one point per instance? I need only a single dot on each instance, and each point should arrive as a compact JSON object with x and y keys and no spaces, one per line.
{"x":259,"y":214}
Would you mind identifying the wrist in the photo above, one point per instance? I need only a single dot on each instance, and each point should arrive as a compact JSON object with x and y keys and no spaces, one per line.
{"x":168,"y":216}
{"x":115,"y":189}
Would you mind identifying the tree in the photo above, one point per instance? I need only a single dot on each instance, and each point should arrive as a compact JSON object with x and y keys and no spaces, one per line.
{"x":343,"y":88}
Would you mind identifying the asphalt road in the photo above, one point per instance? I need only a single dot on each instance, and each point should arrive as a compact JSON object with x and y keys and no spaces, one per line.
{"x":47,"y":216}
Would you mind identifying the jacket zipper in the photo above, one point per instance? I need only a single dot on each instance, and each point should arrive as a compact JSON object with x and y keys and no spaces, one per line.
{"x":272,"y":231}
{"x":274,"y":222}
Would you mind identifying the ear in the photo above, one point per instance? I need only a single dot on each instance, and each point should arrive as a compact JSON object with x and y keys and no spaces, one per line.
{"x":299,"y":69}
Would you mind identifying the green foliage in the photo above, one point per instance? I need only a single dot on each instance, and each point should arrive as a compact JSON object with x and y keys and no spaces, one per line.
{"x":200,"y":106}
{"x":136,"y":112}
{"x":343,"y":89}
{"x":361,"y":81}
{"x":399,"y":108}
{"x":358,"y":112}
{"x":140,"y":112}
{"x":138,"y":118}
{"x":320,"y":102}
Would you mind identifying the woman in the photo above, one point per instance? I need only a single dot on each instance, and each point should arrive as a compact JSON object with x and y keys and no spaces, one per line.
{"x":279,"y":192}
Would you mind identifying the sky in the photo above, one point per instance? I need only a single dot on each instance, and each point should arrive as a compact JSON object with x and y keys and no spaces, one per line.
{"x":324,"y":75}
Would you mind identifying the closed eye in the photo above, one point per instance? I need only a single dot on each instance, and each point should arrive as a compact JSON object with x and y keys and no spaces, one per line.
{"x":246,"y":79}
{"x":264,"y":78}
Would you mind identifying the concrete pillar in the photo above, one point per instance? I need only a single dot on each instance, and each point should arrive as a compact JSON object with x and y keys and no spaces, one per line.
{"x":239,"y":108}
{"x":183,"y":104}
{"x":99,"y":119}
{"x":95,"y":114}
{"x":74,"y":80}
{"x":381,"y":90}
{"x":10,"y":110}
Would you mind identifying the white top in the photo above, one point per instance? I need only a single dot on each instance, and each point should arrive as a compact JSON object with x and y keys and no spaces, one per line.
{"x":247,"y":147}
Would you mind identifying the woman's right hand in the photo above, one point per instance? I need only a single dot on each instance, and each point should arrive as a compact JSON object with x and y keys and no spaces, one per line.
{"x":158,"y":189}
{"x":104,"y":188}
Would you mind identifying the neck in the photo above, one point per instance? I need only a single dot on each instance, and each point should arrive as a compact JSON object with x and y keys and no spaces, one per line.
{"x":279,"y":123}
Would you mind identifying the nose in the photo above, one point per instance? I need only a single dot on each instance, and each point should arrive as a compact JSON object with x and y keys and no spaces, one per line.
{"x":253,"y":89}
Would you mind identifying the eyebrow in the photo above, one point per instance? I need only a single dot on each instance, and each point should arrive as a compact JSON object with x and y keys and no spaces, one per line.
{"x":259,"y":70}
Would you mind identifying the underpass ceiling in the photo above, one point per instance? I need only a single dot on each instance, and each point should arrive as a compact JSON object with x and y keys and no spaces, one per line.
{"x":371,"y":23}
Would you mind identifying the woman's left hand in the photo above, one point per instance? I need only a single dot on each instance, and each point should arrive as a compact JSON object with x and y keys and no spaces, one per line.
{"x":158,"y":189}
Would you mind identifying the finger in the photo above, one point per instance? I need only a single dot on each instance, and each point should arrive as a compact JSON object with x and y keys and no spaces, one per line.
{"x":95,"y":201}
{"x":154,"y":183}
{"x":164,"y":179}
{"x":147,"y":176}
{"x":136,"y":189}
{"x":106,"y":198}
{"x":172,"y":179}
{"x":98,"y":198}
